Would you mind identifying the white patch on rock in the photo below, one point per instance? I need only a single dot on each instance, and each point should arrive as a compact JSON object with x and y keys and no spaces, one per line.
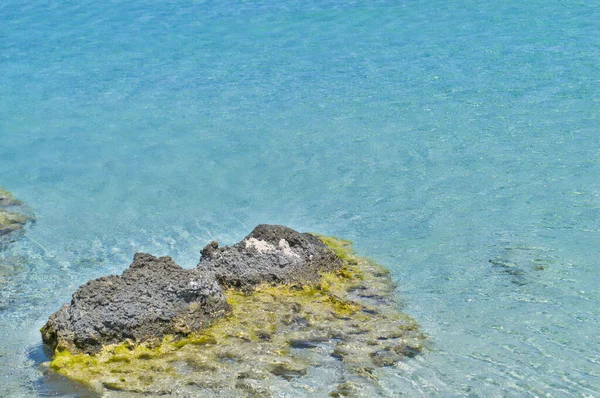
{"x":194,"y":284}
{"x":287,"y":250}
{"x":260,"y":245}
{"x":265,"y":247}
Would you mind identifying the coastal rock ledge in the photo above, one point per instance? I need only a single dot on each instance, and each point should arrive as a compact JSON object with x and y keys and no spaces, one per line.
{"x":278,"y":307}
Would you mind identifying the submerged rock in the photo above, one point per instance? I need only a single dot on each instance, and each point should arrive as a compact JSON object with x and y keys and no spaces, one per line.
{"x":13,"y":216}
{"x":332,"y":328}
{"x":154,"y":297}
{"x":11,"y":222}
{"x":271,"y":254}
{"x":7,"y":199}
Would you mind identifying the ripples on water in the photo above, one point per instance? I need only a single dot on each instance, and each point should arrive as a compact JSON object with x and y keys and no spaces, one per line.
{"x":457,"y":143}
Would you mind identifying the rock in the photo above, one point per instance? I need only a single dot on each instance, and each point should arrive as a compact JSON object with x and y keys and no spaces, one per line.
{"x":348,"y":326}
{"x":13,"y":216}
{"x":11,"y":222}
{"x":271,"y":254}
{"x":154,"y":297}
{"x":7,"y":199}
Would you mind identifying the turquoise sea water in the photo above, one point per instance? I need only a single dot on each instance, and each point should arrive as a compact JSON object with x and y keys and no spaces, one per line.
{"x":457,"y":143}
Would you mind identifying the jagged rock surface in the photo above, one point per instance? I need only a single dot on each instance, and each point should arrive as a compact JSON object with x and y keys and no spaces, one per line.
{"x":271,"y":254}
{"x":155,"y":297}
{"x":152,"y":298}
{"x":347,"y":329}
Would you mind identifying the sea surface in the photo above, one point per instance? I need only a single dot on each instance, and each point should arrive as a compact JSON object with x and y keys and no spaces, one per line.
{"x":455,"y":142}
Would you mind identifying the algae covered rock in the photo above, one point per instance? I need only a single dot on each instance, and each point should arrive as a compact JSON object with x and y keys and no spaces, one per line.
{"x":11,"y":222}
{"x":13,"y":216}
{"x":333,"y":330}
{"x":7,"y":199}
{"x":271,"y":254}
{"x":154,"y":297}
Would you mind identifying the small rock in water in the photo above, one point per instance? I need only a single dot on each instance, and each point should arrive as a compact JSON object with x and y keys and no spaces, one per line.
{"x":7,"y":199}
{"x":13,"y":217}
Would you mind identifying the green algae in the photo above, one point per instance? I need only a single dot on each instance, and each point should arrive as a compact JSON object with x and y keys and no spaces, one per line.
{"x":273,"y":335}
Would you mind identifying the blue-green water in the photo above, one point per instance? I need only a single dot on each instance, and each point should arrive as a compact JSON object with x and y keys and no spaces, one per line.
{"x":458,"y":143}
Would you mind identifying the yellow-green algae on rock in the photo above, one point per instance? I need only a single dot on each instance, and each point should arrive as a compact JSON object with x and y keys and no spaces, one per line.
{"x":331,"y":338}
{"x":7,"y":198}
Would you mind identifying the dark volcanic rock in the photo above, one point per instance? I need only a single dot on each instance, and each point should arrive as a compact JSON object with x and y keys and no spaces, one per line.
{"x":271,"y":254}
{"x":154,"y":297}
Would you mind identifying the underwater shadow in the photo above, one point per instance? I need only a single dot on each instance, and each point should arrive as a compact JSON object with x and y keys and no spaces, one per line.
{"x":52,"y":384}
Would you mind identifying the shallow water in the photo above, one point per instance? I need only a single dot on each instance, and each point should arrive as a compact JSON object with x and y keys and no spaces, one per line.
{"x":456,"y":143}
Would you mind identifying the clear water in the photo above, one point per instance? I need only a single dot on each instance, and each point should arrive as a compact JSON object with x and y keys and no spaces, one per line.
{"x":436,"y":135}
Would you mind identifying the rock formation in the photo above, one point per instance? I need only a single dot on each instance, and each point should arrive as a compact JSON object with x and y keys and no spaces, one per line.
{"x":277,"y":307}
{"x":271,"y":254}
{"x":154,"y":297}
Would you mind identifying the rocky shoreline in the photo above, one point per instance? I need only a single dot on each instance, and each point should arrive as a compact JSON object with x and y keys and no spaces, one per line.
{"x":251,"y":318}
